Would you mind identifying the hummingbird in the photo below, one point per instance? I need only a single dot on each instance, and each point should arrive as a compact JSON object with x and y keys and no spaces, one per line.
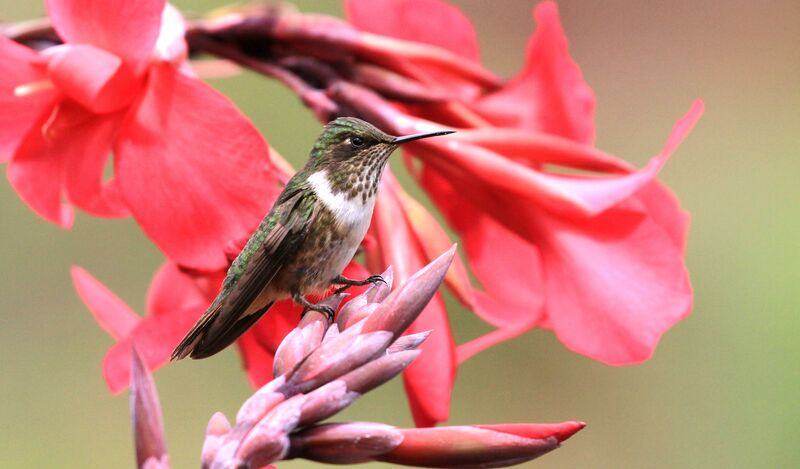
{"x":308,"y":237}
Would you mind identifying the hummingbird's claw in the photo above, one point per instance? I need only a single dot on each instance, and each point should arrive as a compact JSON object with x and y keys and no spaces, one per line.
{"x":373,"y":279}
{"x":348,"y":282}
{"x":324,"y":309}
{"x":328,"y":311}
{"x":309,"y":306}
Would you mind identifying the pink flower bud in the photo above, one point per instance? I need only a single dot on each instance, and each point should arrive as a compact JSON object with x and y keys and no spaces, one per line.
{"x":356,"y":315}
{"x":352,"y":311}
{"x":379,"y":291}
{"x":325,"y":401}
{"x":218,"y":427}
{"x":403,"y":305}
{"x":292,"y":349}
{"x":337,"y":357}
{"x":261,"y":402}
{"x":377,"y":372}
{"x":312,"y":316}
{"x":148,"y":428}
{"x":334,"y":369}
{"x":267,"y":441}
{"x":345,"y":443}
{"x":408,"y":342}
{"x":154,"y":463}
{"x":304,"y":338}
{"x":331,"y":333}
{"x":355,"y":311}
{"x":478,"y":446}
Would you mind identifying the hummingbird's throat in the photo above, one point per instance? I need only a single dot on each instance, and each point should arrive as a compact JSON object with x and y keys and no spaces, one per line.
{"x":358,"y":176}
{"x":351,"y":208}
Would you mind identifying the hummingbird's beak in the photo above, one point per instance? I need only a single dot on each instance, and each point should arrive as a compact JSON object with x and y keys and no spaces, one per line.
{"x":411,"y":138}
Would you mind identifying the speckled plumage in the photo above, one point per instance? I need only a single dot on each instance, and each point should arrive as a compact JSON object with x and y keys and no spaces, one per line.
{"x":307,"y":238}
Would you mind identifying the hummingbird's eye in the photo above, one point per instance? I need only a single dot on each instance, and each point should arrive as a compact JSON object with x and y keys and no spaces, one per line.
{"x":357,"y":141}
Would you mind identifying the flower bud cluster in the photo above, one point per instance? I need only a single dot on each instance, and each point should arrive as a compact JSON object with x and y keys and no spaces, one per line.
{"x":322,"y":367}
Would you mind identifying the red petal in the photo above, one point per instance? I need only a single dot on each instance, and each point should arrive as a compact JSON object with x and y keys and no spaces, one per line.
{"x":598,"y":194}
{"x":172,"y":289}
{"x":516,"y":294}
{"x":86,"y":144}
{"x":19,"y":66}
{"x":429,"y":380}
{"x":36,"y":172}
{"x":664,"y":209}
{"x":110,"y":312}
{"x":432,"y":240}
{"x":195,"y":181}
{"x":256,"y":359}
{"x":396,"y":242}
{"x":73,"y":144}
{"x":416,"y":20}
{"x":93,"y":77}
{"x":549,"y":94}
{"x":536,"y":148}
{"x":127,"y":29}
{"x":471,"y":348}
{"x":562,"y":431}
{"x":258,"y":345}
{"x":567,"y":195}
{"x":171,"y":45}
{"x":441,"y":68}
{"x":155,"y":338}
{"x":614,"y":284}
{"x":514,"y":299}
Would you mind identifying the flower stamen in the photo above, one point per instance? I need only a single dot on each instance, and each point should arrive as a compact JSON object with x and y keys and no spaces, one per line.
{"x":33,"y":87}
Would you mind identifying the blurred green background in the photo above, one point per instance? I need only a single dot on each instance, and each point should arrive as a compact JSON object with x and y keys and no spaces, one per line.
{"x":723,"y":389}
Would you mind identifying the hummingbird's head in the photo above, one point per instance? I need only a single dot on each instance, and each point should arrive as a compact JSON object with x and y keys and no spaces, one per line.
{"x":348,"y":144}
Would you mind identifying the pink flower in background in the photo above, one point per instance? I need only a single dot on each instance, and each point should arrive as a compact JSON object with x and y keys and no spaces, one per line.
{"x":600,"y":255}
{"x":190,"y":168}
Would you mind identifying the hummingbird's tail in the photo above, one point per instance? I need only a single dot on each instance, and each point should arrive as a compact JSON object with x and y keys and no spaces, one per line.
{"x":207,"y":337}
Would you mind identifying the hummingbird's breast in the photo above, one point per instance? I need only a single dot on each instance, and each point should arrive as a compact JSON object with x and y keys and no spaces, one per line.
{"x":352,"y":209}
{"x":333,"y":238}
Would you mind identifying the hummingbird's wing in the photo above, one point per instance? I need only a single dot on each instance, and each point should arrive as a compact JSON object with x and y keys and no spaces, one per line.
{"x":234,"y":311}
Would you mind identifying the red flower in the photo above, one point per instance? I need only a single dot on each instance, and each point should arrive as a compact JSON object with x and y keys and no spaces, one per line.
{"x":193,"y":178}
{"x":174,"y":302}
{"x":605,"y":251}
{"x":407,"y":240}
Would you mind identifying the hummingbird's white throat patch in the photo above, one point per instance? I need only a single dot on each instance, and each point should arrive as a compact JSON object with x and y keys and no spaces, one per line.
{"x":349,"y":211}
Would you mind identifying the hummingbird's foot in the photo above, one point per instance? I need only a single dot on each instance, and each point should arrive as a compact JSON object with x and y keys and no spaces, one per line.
{"x":348,"y":282}
{"x":309,"y":306}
